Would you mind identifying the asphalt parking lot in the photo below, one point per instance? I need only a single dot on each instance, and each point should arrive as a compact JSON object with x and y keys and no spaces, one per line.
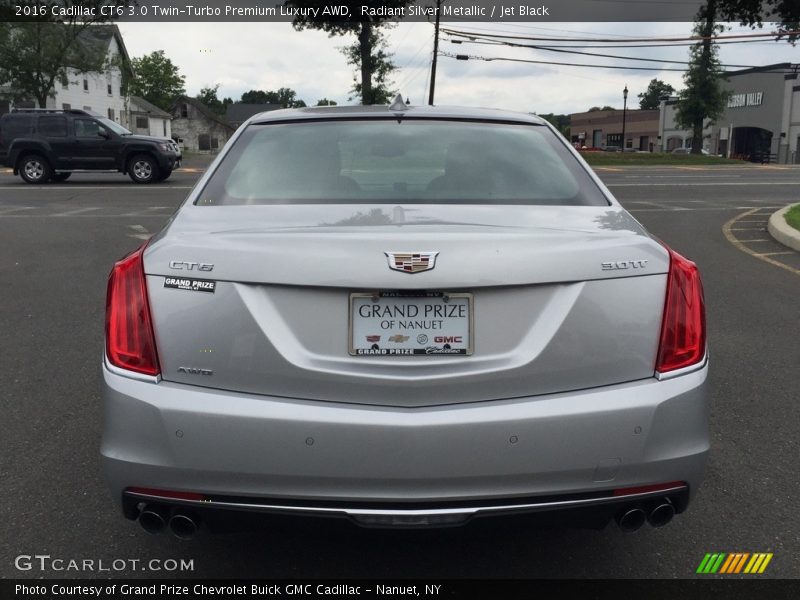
{"x":59,"y":241}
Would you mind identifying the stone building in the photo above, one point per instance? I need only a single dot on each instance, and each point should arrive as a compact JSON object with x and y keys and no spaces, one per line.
{"x":197,"y":128}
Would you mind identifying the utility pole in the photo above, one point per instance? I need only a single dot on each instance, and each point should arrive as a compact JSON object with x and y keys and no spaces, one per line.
{"x":435,"y":51}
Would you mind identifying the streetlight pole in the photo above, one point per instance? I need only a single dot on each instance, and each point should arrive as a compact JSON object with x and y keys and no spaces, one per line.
{"x":624,"y":111}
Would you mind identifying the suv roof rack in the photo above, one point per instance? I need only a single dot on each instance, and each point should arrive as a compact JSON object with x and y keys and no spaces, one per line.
{"x":74,"y":111}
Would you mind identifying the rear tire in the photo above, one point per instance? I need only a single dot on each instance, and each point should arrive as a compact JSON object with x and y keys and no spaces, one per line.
{"x":143,"y":168}
{"x":34,"y":168}
{"x":59,"y":177}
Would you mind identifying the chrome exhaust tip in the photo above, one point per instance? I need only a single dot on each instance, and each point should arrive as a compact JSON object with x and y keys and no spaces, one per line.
{"x":661,"y":513}
{"x":184,"y":525}
{"x":632,"y":519}
{"x":153,"y":518}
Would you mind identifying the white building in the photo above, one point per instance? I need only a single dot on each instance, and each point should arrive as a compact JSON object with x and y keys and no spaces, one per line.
{"x":145,"y":118}
{"x":760,"y":123}
{"x":101,"y":93}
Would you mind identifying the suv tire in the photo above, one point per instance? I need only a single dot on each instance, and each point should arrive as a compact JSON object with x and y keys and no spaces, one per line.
{"x":142,"y":168}
{"x":34,"y":168}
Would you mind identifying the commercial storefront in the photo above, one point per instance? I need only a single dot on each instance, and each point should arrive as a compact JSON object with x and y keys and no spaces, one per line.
{"x":603,"y":128}
{"x":761,"y":122}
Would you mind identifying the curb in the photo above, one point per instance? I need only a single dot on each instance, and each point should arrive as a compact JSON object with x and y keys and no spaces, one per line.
{"x":780,"y":230}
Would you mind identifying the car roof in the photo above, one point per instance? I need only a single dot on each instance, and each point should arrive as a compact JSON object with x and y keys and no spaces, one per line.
{"x":414,"y":112}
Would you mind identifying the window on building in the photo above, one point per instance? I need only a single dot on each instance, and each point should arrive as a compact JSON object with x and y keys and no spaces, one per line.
{"x":203,"y":142}
{"x":111,"y":113}
{"x":87,"y":108}
{"x":85,"y":84}
{"x":184,"y":111}
{"x":164,"y":123}
{"x":53,"y":126}
{"x":66,"y":106}
{"x":214,"y":143}
{"x":141,"y":122}
{"x":110,"y":93}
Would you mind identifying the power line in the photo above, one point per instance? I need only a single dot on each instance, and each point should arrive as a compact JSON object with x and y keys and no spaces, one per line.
{"x":599,"y":55}
{"x":696,"y":38}
{"x":660,"y":45}
{"x":564,"y":64}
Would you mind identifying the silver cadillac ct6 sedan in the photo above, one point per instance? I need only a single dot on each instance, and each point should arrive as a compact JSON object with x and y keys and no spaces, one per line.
{"x":403,"y":316}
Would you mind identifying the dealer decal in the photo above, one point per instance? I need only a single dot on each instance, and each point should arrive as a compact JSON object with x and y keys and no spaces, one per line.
{"x":193,"y":285}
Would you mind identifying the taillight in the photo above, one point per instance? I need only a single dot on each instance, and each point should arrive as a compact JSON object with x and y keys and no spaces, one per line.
{"x":130,"y":343}
{"x":683,"y":330}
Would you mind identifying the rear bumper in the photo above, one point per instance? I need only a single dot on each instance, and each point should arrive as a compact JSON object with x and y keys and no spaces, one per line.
{"x":257,"y":453}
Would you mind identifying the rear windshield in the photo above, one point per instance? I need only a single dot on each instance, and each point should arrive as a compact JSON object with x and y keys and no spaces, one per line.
{"x":412,"y":161}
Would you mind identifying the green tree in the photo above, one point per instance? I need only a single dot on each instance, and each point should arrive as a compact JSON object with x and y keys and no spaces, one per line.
{"x":704,"y":96}
{"x":34,"y":56}
{"x":208,"y":96}
{"x":560,"y":122}
{"x":286,"y":97}
{"x":651,"y":97}
{"x":157,"y":79}
{"x":326,"y":102}
{"x":783,"y":13}
{"x":367,"y":29}
{"x":381,"y":65}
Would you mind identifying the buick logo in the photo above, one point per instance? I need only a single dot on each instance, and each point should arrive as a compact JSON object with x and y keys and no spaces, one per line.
{"x":411,"y":262}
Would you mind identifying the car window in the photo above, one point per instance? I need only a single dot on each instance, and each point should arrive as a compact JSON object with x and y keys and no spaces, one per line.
{"x":86,"y":128}
{"x":414,"y":160}
{"x":52,"y":126}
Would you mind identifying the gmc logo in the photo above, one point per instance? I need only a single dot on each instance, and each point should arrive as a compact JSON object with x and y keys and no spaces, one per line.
{"x":448,"y":339}
{"x":189,"y":266}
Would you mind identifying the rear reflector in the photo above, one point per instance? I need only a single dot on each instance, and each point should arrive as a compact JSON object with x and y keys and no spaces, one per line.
{"x":645,"y":489}
{"x":683,"y":330}
{"x":130,"y":343}
{"x":167,"y":494}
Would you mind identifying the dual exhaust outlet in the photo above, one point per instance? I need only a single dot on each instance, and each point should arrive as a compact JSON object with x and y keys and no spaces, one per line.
{"x":657,"y":513}
{"x":183,"y":524}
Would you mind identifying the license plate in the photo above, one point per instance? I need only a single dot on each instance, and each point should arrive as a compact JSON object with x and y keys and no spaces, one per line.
{"x":410,"y":324}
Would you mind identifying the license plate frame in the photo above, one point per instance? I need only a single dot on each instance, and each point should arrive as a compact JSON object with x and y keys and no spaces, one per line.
{"x":394,"y":348}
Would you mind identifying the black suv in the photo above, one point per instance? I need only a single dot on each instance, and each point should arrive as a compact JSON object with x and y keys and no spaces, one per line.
{"x":49,"y":145}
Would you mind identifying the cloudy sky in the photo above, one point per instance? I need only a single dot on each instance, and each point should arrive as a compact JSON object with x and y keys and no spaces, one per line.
{"x":244,"y":56}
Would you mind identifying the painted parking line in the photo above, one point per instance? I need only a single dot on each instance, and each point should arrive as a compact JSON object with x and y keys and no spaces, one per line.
{"x":139,"y":232}
{"x":728,"y":231}
{"x":77,"y":211}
